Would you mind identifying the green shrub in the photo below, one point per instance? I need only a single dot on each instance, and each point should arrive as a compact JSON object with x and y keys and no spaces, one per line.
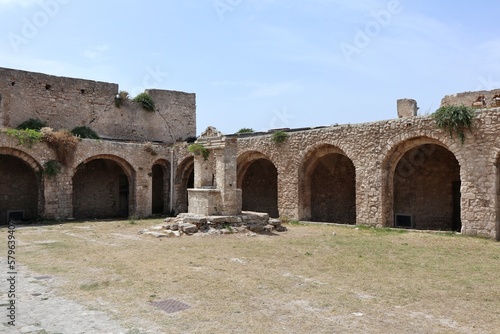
{"x":245,"y":130}
{"x":198,"y":149}
{"x":146,"y":101}
{"x":26,"y":137}
{"x":85,"y":132}
{"x":51,"y":168}
{"x":455,"y":120}
{"x":279,"y":136}
{"x":31,"y":124}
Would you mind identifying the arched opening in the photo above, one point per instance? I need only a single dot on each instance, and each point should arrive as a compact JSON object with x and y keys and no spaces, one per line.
{"x":20,"y":189}
{"x":258,"y":180}
{"x":101,"y":189}
{"x":184,"y":180}
{"x":426,"y":188}
{"x":161,"y":187}
{"x":328,"y":187}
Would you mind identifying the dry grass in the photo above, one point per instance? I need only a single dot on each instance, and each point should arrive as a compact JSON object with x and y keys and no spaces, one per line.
{"x":62,"y":142}
{"x":306,"y":280}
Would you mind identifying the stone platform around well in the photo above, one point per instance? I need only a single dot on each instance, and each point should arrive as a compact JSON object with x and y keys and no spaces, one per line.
{"x":188,"y":223}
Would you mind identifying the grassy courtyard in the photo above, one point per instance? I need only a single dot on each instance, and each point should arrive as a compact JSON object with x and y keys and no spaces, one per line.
{"x":311,"y":279}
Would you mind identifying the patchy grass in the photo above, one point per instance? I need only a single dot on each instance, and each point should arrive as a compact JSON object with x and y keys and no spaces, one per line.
{"x":311,"y":279}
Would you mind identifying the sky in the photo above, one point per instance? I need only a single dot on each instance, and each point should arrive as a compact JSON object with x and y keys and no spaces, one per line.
{"x":265,"y":64}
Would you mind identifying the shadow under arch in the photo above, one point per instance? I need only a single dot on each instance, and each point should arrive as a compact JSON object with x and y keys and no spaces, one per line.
{"x":257,"y":177}
{"x":104,"y":187}
{"x":421,"y":186}
{"x":160,"y":187}
{"x":22,"y":190}
{"x":184,"y":180}
{"x":327,"y":186}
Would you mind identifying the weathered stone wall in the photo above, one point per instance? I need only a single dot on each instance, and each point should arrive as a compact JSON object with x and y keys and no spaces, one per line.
{"x":375,"y":150}
{"x":90,"y":185}
{"x":469,"y":98}
{"x":65,"y":103}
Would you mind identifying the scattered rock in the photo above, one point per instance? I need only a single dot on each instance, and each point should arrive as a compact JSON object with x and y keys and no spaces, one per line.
{"x":255,"y":222}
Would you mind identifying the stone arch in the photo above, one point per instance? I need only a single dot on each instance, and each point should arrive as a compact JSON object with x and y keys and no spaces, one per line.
{"x":327,"y":186}
{"x":421,"y":185}
{"x":257,"y":177}
{"x":103,"y":187}
{"x":21,"y":192}
{"x":160,"y":188}
{"x":184,"y":180}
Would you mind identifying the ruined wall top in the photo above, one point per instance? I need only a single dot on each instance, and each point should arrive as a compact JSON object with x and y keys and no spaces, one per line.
{"x":65,"y":103}
{"x":480,"y":99}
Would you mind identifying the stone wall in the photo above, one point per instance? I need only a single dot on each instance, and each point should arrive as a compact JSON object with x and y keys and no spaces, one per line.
{"x":375,"y":150}
{"x":65,"y":103}
{"x":470,"y":98}
{"x":96,"y":182}
{"x":363,"y":173}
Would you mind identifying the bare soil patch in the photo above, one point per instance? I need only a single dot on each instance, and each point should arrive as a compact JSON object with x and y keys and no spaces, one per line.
{"x":311,"y":279}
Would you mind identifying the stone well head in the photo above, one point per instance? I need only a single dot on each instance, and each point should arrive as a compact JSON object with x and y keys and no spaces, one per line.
{"x":215,"y":175}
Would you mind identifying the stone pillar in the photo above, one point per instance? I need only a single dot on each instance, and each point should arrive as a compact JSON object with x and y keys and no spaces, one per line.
{"x":58,"y":194}
{"x":407,"y":108}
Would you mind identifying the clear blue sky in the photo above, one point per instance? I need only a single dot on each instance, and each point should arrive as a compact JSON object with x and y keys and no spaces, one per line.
{"x":265,"y":63}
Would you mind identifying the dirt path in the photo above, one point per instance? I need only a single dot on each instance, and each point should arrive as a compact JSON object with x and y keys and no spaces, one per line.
{"x":40,"y":310}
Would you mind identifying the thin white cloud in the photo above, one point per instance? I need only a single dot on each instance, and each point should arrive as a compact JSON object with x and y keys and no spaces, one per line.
{"x":96,"y":52}
{"x":281,"y":88}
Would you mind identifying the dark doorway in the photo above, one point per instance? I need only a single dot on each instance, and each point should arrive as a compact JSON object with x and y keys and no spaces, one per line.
{"x":19,"y":189}
{"x":427,"y":187}
{"x":333,"y":190}
{"x":124,"y":192}
{"x":158,"y":190}
{"x":260,"y":188}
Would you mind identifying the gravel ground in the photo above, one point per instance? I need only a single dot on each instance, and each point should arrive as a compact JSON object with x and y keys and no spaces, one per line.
{"x":40,"y":310}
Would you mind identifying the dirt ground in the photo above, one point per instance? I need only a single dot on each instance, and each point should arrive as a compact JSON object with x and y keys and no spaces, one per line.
{"x":311,"y":279}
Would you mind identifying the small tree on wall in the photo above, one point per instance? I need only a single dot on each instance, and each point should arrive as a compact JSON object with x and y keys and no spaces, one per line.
{"x":455,"y":120}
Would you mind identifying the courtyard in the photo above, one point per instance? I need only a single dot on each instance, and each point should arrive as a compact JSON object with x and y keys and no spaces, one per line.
{"x":314,"y":278}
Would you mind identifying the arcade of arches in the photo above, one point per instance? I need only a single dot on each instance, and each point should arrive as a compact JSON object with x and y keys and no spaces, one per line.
{"x":381,"y":174}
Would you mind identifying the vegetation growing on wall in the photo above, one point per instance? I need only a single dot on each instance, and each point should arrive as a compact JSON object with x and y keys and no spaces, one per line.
{"x":121,"y":98}
{"x":85,"y":132}
{"x":31,"y":124}
{"x":455,"y":120}
{"x":27,"y":137}
{"x":62,"y":142}
{"x":51,"y":168}
{"x":199,"y":149}
{"x":245,"y":130}
{"x":279,"y":137}
{"x":146,"y":101}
